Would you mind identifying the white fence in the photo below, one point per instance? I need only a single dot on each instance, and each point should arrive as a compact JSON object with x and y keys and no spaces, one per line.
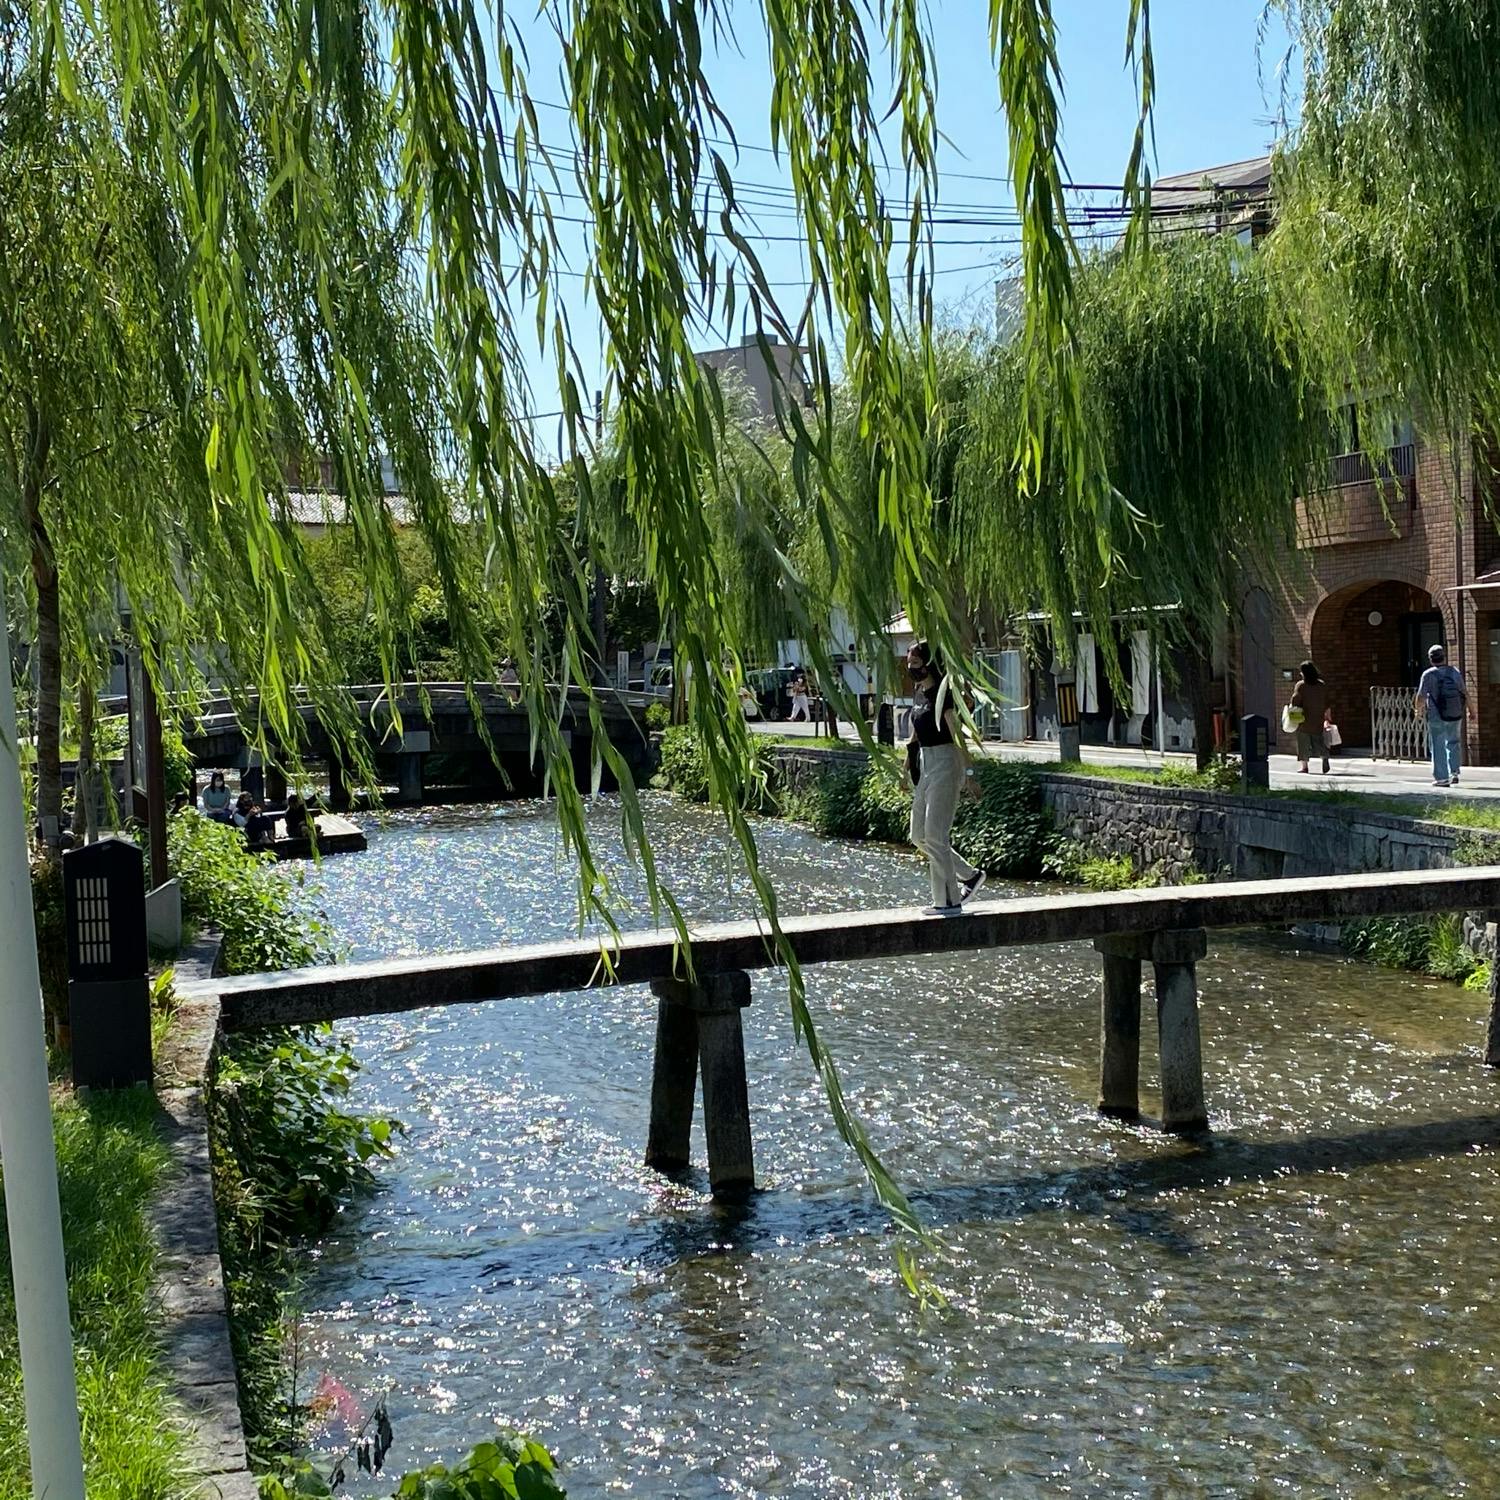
{"x":1397,"y":731}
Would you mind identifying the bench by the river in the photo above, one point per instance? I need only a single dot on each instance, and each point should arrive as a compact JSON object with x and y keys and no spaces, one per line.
{"x":698,"y":1030}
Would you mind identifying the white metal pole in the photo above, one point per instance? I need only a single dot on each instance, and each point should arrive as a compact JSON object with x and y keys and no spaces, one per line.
{"x":27,"y":1157}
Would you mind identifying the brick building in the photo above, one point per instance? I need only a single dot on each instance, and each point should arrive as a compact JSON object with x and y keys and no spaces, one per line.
{"x":1400,"y":553}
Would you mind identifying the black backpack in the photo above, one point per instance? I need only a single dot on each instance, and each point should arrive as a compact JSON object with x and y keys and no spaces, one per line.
{"x":1447,"y":695}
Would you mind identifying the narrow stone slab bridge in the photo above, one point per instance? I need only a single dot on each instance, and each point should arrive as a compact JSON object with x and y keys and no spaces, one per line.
{"x":698,"y":1030}
{"x":444,"y":722}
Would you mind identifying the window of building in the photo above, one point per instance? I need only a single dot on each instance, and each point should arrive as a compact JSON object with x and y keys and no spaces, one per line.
{"x":1490,"y":629}
{"x":1361,"y":428}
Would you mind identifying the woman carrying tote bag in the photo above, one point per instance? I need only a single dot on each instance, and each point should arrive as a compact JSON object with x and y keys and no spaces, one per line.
{"x":1306,"y":710}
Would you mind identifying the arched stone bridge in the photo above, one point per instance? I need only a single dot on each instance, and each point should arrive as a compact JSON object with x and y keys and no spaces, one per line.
{"x":439,"y":743}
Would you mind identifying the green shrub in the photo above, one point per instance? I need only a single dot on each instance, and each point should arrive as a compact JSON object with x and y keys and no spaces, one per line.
{"x":287,"y":1152}
{"x":1476,"y":849}
{"x":1395,"y":942}
{"x":658,"y":716}
{"x":680,"y":764}
{"x":1424,"y":945}
{"x":854,"y":802}
{"x":682,"y":767}
{"x":1221,"y":774}
{"x":1479,"y":979}
{"x":506,"y":1466}
{"x":261,"y":912}
{"x":1005,"y":830}
{"x":1070,"y":861}
{"x":1448,"y":956}
{"x":177,"y":764}
{"x":281,"y":1096}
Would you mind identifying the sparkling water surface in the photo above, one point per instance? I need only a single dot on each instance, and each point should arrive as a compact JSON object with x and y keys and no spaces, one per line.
{"x":1305,"y":1304}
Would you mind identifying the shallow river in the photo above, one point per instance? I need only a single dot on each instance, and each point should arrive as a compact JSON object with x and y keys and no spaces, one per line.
{"x":1306,"y":1305}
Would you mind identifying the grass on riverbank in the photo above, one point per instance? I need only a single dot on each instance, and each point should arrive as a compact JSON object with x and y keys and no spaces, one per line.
{"x":1483,"y":816}
{"x":110,"y":1161}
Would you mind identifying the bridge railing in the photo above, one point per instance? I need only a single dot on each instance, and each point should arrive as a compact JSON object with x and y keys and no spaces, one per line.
{"x":698,"y":1024}
{"x":407,"y":694}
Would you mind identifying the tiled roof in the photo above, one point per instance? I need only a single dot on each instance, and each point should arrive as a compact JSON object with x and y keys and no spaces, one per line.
{"x":1247,"y":179}
{"x":321,"y":507}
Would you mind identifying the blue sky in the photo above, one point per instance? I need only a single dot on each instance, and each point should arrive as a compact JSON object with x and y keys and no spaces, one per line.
{"x":1218,"y":88}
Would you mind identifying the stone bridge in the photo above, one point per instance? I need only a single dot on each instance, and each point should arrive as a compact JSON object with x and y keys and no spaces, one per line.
{"x":439,"y":742}
{"x":698,"y":1022}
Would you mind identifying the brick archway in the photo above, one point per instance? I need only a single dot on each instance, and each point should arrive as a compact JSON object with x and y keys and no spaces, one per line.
{"x":1372,"y":634}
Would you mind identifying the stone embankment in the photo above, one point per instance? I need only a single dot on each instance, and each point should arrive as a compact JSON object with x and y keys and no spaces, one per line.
{"x":190,"y":1276}
{"x":1179,"y":830}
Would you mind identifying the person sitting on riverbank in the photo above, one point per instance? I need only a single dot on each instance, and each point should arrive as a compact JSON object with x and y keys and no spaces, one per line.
{"x":260,"y":829}
{"x":244,"y":807}
{"x":298,"y":824}
{"x":215,"y":799}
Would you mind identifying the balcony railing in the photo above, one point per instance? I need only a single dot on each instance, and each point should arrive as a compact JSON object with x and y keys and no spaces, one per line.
{"x":1360,"y":497}
{"x":1365,"y":468}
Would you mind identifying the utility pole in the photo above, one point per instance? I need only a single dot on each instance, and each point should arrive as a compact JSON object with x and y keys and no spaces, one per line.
{"x":601,"y":583}
{"x":32,"y":1215}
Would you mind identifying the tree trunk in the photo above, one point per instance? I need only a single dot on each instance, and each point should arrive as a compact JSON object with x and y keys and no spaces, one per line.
{"x":48,"y":637}
{"x":86,"y":789}
{"x":1195,"y":680}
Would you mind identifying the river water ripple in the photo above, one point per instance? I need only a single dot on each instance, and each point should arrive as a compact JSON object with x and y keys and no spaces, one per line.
{"x":1304,"y":1305}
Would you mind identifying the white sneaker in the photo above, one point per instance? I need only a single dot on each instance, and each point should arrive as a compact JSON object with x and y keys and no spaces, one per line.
{"x":971,"y":888}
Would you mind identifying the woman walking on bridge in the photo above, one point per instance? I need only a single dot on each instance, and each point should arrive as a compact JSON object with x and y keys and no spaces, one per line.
{"x":939,"y":766}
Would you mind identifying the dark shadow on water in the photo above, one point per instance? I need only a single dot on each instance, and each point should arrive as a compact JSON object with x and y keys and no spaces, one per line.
{"x":774,"y":1219}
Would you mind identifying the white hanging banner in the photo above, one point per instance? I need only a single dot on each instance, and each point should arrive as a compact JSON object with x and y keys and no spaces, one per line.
{"x":1087,"y":675}
{"x":1140,"y":672}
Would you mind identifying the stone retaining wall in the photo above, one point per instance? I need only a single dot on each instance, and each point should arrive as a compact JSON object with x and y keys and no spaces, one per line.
{"x":1182,"y":830}
{"x":190,"y":1277}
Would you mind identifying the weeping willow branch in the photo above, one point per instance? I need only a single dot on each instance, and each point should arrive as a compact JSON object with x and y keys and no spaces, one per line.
{"x":335,"y":224}
{"x":1389,"y":201}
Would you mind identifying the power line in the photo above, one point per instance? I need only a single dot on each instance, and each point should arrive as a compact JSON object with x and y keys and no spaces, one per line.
{"x":1068,"y":186}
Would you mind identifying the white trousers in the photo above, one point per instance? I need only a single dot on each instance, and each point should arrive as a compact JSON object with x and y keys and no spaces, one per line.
{"x":799,"y":710}
{"x":933,"y":805}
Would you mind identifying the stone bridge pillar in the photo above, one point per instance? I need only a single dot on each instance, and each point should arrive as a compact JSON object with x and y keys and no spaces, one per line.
{"x":698,"y":1029}
{"x":338,"y":785}
{"x":1174,"y":957}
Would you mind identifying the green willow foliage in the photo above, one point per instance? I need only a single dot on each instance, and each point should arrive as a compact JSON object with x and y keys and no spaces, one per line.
{"x":1389,"y":200}
{"x":1209,"y":417}
{"x":351,"y":231}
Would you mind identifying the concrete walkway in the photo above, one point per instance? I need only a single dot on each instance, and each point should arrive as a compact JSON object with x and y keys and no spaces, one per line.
{"x":1355,"y":772}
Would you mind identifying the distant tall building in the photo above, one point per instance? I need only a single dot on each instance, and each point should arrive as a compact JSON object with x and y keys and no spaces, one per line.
{"x":747,"y":360}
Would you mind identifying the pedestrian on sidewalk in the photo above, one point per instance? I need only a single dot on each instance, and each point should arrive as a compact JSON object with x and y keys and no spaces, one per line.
{"x":940,"y":767}
{"x":799,"y":700}
{"x":1311,"y":696}
{"x":1441,"y":694}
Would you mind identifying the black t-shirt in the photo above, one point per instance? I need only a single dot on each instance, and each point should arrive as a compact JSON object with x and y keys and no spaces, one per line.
{"x":926,"y":725}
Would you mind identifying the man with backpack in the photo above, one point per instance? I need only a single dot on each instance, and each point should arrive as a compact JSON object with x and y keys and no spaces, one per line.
{"x":1445,"y":699}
